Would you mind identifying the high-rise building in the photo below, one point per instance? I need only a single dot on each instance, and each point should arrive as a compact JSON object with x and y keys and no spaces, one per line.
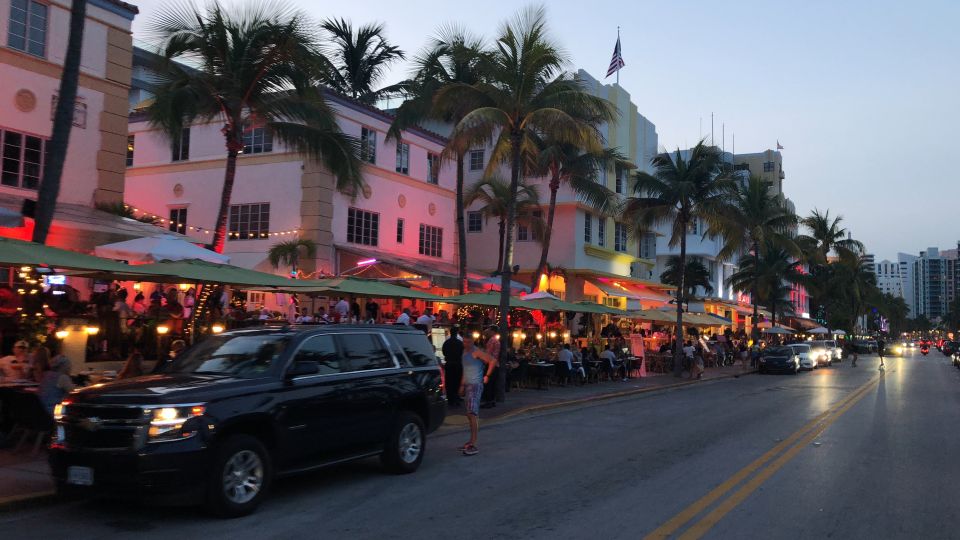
{"x":930,"y":283}
{"x":767,"y":165}
{"x":908,"y":270}
{"x":889,"y":278}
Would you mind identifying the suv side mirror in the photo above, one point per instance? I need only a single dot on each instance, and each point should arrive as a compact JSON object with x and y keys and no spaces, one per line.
{"x":303,"y":367}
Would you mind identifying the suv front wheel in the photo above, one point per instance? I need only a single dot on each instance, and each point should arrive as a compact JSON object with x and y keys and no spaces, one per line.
{"x":403,"y":452}
{"x":240,"y":476}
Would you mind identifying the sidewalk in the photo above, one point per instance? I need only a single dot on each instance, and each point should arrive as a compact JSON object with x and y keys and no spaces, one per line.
{"x":23,"y":477}
{"x":530,"y":399}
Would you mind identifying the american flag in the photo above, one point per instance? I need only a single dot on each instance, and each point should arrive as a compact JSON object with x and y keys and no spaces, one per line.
{"x":616,"y":63}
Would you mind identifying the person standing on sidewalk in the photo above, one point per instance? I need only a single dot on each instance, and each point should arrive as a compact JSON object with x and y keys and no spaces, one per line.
{"x":453,"y":364}
{"x":478,"y":367}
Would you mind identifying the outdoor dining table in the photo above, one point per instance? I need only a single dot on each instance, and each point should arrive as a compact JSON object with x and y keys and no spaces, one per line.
{"x":542,"y":372}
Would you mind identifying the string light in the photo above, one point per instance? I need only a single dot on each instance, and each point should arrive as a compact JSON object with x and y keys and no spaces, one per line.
{"x":203,"y":230}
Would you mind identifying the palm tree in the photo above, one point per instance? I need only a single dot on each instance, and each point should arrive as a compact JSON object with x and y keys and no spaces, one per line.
{"x":49,"y":188}
{"x":287,"y":253}
{"x":679,"y":192}
{"x":527,"y":95}
{"x":695,"y":274}
{"x":494,"y":196}
{"x":755,"y":216}
{"x":827,"y":235}
{"x":452,"y":57}
{"x":565,"y":163}
{"x":771,"y":274}
{"x":258,"y":66}
{"x":360,"y":60}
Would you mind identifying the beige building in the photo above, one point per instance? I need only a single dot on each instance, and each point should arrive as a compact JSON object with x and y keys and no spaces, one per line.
{"x":767,"y":165}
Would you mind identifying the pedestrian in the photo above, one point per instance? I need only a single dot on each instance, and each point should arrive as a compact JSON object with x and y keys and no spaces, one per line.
{"x":852,"y":349}
{"x":52,"y":376}
{"x":478,"y":367}
{"x":453,"y":364}
{"x":404,"y":317}
{"x":881,"y":349}
{"x":426,"y":319}
{"x":496,"y":390}
{"x":17,"y":365}
{"x":341,"y":310}
{"x":373,"y":311}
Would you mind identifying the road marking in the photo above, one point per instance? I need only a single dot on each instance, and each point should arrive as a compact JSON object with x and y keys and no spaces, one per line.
{"x":690,"y":512}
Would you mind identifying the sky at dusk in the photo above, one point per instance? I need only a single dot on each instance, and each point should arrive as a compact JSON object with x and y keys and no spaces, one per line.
{"x":864,"y":96}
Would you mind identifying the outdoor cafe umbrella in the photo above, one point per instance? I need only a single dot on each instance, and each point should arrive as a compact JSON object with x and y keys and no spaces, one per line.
{"x":160,"y":247}
{"x":593,"y":307}
{"x":485,"y":299}
{"x":840,"y":332}
{"x":818,"y":330}
{"x":21,"y":253}
{"x":358,"y":286}
{"x":777,"y":330}
{"x":193,"y":271}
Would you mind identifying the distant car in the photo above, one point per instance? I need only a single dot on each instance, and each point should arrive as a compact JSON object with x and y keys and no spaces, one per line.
{"x":895,"y":349}
{"x":837,"y":350}
{"x":779,"y":359}
{"x":802,"y":350}
{"x":821,"y":352}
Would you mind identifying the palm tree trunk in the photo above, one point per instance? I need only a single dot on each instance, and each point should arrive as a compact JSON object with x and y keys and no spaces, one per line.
{"x":678,"y":333}
{"x":500,"y":249}
{"x":755,"y":330}
{"x":505,"y":268}
{"x":234,"y":145}
{"x":545,"y":249}
{"x":62,"y":124}
{"x":461,"y":229}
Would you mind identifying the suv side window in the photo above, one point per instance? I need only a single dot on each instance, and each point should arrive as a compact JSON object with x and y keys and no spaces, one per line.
{"x":363,"y":352}
{"x":417,"y":348}
{"x":322,"y":350}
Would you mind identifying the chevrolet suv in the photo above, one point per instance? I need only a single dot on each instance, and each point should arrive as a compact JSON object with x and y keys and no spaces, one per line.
{"x":236,"y":410}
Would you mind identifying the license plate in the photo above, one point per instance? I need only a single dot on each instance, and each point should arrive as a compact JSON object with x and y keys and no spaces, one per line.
{"x":80,"y":476}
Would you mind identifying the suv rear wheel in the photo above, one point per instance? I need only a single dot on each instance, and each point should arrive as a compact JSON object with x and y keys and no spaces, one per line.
{"x":403,"y":452}
{"x":240,"y":477}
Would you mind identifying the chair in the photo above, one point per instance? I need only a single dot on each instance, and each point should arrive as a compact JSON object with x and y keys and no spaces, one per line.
{"x":518,"y":375}
{"x":633,"y":366}
{"x":30,"y":418}
{"x":564,"y":374}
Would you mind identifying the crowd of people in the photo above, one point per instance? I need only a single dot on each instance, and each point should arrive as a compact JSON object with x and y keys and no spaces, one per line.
{"x":43,"y":366}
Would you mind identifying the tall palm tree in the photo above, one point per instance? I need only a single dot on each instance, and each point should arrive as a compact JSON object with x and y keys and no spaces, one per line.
{"x":753,"y":217}
{"x":360,"y":60}
{"x":288,"y":253}
{"x":493,"y":194}
{"x":452,"y":57}
{"x":771,"y":274}
{"x":49,"y":188}
{"x":826,"y":235}
{"x":527,"y":95}
{"x":256,"y":66}
{"x":695,"y":274}
{"x":565,"y":163}
{"x":680,"y":191}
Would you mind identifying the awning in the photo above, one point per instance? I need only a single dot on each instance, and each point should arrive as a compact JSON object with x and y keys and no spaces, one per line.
{"x":722,"y":320}
{"x":356,"y":286}
{"x":191,"y":271}
{"x":160,"y":247}
{"x":442,"y":274}
{"x":21,"y":253}
{"x":612,"y":290}
{"x":491,"y":299}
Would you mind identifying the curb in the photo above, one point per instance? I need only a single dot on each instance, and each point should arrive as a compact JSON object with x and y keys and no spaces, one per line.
{"x":601,"y":397}
{"x":19,"y":502}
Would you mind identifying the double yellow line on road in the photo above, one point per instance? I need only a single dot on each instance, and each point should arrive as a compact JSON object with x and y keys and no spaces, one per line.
{"x":779,"y":455}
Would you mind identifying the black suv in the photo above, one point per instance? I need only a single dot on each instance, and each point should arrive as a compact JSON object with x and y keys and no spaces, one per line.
{"x":217,"y":424}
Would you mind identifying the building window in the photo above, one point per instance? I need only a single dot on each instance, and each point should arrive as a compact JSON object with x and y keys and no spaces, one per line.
{"x":249,"y":221}
{"x":256,"y":298}
{"x":476,"y":160}
{"x":23,"y":157}
{"x":648,"y":245}
{"x":399,"y":230}
{"x":363,"y":227}
{"x":621,"y":184}
{"x":181,"y":146}
{"x":769,"y":166}
{"x":474,"y":221}
{"x":433,"y":168}
{"x":431,"y":240}
{"x":693,"y":227}
{"x":27,"y":30}
{"x":620,"y":237}
{"x":526,"y":230}
{"x":368,"y":145}
{"x":587,"y":228}
{"x":178,"y":220}
{"x":257,"y":140}
{"x":130,"y":141}
{"x":601,"y":231}
{"x":403,"y":158}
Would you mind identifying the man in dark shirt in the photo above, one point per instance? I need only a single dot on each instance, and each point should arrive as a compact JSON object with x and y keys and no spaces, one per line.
{"x":373,"y":311}
{"x":453,"y":368}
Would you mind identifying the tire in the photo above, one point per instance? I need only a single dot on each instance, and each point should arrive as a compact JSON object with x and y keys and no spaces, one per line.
{"x":239,"y":456}
{"x":403,"y":452}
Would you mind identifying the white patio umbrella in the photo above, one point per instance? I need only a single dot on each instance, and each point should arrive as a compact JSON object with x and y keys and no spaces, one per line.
{"x":162,"y":247}
{"x":840,"y":332}
{"x":539,"y":295}
{"x":777,"y":330}
{"x":819,"y":330}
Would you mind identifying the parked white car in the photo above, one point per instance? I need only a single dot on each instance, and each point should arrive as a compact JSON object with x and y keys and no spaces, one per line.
{"x":837,"y":350}
{"x":802,"y":350}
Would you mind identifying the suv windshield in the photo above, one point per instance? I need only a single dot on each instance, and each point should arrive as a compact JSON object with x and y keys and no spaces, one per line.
{"x":778,"y":351}
{"x":800,"y":348}
{"x":238,"y":356}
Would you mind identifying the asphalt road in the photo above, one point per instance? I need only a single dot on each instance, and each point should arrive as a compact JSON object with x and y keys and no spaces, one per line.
{"x":840,"y":452}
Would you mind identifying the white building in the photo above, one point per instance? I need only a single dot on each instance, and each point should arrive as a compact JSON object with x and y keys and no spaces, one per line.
{"x":403,"y":222}
{"x":32,"y":51}
{"x":907,"y":265}
{"x":889,"y":278}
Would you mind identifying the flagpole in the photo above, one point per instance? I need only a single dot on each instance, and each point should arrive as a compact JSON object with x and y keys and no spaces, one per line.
{"x":621,"y":54}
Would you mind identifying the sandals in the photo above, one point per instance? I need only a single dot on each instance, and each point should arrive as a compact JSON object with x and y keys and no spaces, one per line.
{"x":470,"y":450}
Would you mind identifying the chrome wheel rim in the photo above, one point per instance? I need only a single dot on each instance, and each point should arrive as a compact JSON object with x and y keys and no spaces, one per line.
{"x":411,"y":443}
{"x":243,"y":477}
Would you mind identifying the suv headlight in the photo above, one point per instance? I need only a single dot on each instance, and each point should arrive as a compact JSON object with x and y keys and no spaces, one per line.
{"x":168,"y":423}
